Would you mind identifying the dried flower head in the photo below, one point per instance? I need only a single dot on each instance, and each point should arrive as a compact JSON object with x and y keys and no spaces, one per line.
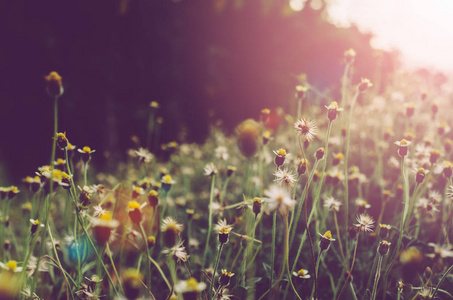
{"x":332,"y":204}
{"x":210,"y":169}
{"x":278,"y":198}
{"x":178,"y":252}
{"x":306,"y":128}
{"x":285,"y":177}
{"x":365,"y":223}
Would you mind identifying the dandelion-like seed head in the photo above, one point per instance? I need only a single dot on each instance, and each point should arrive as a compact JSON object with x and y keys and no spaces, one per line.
{"x":332,"y":204}
{"x":365,"y":223}
{"x":306,"y":128}
{"x":285,"y":177}
{"x":178,"y":252}
{"x":278,"y":198}
{"x":210,"y":169}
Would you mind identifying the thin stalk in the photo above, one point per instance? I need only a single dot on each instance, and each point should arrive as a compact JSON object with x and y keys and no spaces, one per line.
{"x":216,"y":265}
{"x":376,"y":277}
{"x":316,"y":270}
{"x":211,"y":198}
{"x":403,"y":220}
{"x":293,"y":225}
{"x":352,"y":266}
{"x":346,"y":159}
{"x":274,"y":227}
{"x":145,"y":240}
{"x":338,"y":234}
{"x":442,"y":280}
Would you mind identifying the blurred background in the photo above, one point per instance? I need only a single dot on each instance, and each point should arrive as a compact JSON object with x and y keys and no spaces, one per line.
{"x":205,"y":62}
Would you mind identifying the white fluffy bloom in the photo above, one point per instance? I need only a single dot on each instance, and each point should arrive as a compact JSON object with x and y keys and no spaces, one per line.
{"x":278,"y":198}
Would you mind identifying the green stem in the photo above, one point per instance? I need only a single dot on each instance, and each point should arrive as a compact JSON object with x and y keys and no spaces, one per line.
{"x":274,"y":227}
{"x":376,"y":277}
{"x":145,"y":240}
{"x":211,"y":198}
{"x":346,"y":159}
{"x":216,"y":265}
{"x":442,"y":280}
{"x":316,"y":270}
{"x":352,"y":266}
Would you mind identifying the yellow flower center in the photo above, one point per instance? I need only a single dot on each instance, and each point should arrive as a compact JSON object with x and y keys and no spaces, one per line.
{"x":11,"y":265}
{"x":328,"y":235}
{"x":301,"y":272}
{"x":404,"y":143}
{"x":133,"y":205}
{"x":60,"y":161}
{"x":281,"y":152}
{"x":334,"y":105}
{"x":86,"y":149}
{"x":166,"y":179}
{"x":257,"y":200}
{"x":192,"y":283}
{"x":36,"y":222}
{"x":106,"y":216}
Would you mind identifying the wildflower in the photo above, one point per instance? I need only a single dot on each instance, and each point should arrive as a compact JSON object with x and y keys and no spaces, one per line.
{"x":132,"y":283}
{"x":434,"y":156}
{"x":34,"y":225}
{"x":307,"y":128}
{"x":443,"y":128}
{"x":224,"y":230}
{"x":365,"y":223}
{"x":285,"y":177}
{"x":364,"y":85}
{"x":225,"y":277}
{"x":450,"y":191}
{"x":86,"y":153}
{"x":332,"y":204}
{"x":178,"y":252}
{"x":320,"y":153}
{"x":221,"y":153}
{"x":265,"y":115}
{"x":337,"y":159}
{"x":137,"y":191}
{"x":54,"y":85}
{"x":302,"y":274}
{"x":154,"y":105}
{"x":403,"y":144}
{"x":427,"y":205}
{"x":153,"y":198}
{"x":144,"y":155}
{"x":332,"y":111}
{"x":300,"y":91}
{"x":189,"y":288}
{"x":420,"y":175}
{"x":384,"y":247}
{"x":230,"y":171}
{"x":85,"y":196}
{"x":447,"y":169}
{"x":134,"y":211}
{"x":425,"y":293}
{"x":167,"y":182}
{"x":349,"y":55}
{"x":34,"y":183}
{"x":170,"y":231}
{"x":385,"y":230}
{"x":324,"y":242}
{"x":362,"y":205}
{"x":151,"y":241}
{"x":266,"y":137}
{"x":448,"y":145}
{"x":210,"y":169}
{"x":256,"y":206}
{"x":280,"y":157}
{"x":445,"y":251}
{"x":103,"y":227}
{"x":278,"y":198}
{"x":248,"y":134}
{"x":62,"y":141}
{"x":388,"y":133}
{"x":410,"y":108}
{"x":11,"y":266}
{"x":13,"y":191}
{"x":302,"y":166}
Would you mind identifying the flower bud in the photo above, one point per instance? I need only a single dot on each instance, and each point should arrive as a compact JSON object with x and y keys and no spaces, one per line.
{"x":384,"y":247}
